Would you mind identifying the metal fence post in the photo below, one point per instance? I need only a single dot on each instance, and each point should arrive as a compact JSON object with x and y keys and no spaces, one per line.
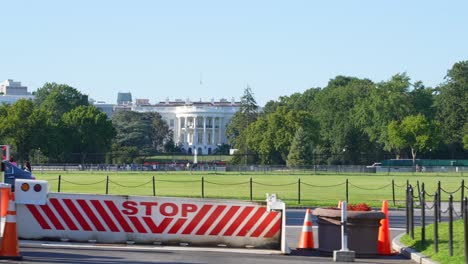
{"x":450,"y":244}
{"x":298,"y":190}
{"x":393,"y":191}
{"x":436,"y":222}
{"x":462,"y":196}
{"x":439,"y":201}
{"x":347,"y":193}
{"x":465,"y":225}
{"x":407,"y":209}
{"x":154,"y":186}
{"x":59,"y":183}
{"x":107,"y":184}
{"x":423,"y":216}
{"x":411,"y":206}
{"x":203,"y":187}
{"x":251,"y":189}
{"x":419,"y":191}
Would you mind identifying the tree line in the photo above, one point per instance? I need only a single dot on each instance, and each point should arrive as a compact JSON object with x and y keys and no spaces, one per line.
{"x":349,"y":121}
{"x":61,"y":126}
{"x":356,"y":121}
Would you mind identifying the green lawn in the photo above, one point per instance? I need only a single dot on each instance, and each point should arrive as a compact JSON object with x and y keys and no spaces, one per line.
{"x":428,"y":247}
{"x":323,"y":189}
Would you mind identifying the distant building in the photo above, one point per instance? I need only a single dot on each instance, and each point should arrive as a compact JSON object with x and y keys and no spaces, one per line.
{"x":124,"y":98}
{"x":9,"y":87}
{"x":11,"y":91}
{"x":108,"y":109}
{"x":199,"y":126}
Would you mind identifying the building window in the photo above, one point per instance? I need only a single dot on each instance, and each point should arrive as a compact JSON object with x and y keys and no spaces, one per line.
{"x":171,"y":122}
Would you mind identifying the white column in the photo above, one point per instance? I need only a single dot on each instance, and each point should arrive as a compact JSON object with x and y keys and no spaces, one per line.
{"x":212,"y":130}
{"x":204,"y":131}
{"x":195,"y":134}
{"x":186,"y":131}
{"x":179,"y":129}
{"x":220,"y":130}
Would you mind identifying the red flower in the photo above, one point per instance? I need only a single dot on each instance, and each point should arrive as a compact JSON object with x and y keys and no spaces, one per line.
{"x":359,"y":207}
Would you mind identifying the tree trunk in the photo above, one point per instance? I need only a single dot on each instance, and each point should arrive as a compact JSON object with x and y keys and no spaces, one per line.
{"x":413,"y":153}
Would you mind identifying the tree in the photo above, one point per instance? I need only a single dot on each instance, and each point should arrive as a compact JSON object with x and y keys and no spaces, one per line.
{"x":90,"y":130}
{"x":271,"y":136}
{"x":388,"y":101}
{"x":148,"y":132}
{"x":465,"y":136}
{"x":422,"y":100}
{"x":301,"y":151}
{"x":415,"y":133}
{"x":22,"y":125}
{"x":452,"y":105}
{"x":336,"y":110}
{"x":246,"y":115}
{"x":57,"y":99}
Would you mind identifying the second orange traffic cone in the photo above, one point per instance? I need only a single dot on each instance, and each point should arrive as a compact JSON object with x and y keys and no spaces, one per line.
{"x":383,"y":244}
{"x":10,"y":246}
{"x":306,"y":240}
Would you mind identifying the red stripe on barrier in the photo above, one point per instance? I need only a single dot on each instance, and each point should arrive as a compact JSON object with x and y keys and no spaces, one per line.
{"x":233,"y":227}
{"x":105,"y":216}
{"x":251,"y":222}
{"x":58,"y":207}
{"x":116,"y":212}
{"x":71,"y":206}
{"x":137,"y":224}
{"x":37,"y":215}
{"x":52,"y":217}
{"x":89,"y":212}
{"x":177,"y":226}
{"x":155,"y":228}
{"x":274,"y":229}
{"x":211,"y":219}
{"x":197,"y":219}
{"x":228,"y":216}
{"x":270,"y":217}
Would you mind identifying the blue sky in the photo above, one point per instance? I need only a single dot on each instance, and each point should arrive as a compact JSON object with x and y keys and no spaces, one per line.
{"x":159,"y":49}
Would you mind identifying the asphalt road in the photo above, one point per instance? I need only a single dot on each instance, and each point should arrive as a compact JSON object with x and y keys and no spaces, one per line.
{"x":105,"y":254}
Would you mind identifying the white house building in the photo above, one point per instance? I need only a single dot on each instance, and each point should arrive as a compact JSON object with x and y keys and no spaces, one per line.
{"x":197,"y":126}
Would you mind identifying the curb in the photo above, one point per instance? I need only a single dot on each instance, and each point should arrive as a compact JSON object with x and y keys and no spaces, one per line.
{"x":141,"y":248}
{"x":411,"y":253}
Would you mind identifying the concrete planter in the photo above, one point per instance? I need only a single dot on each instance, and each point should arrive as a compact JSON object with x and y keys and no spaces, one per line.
{"x":363,"y":230}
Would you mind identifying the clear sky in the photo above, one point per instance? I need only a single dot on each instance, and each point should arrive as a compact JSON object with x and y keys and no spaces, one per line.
{"x":159,"y":49}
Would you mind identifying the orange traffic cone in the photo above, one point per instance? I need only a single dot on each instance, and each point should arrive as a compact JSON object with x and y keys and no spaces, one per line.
{"x":306,"y":240}
{"x":383,"y":246}
{"x":339,"y":204}
{"x":10,"y":246}
{"x":4,"y":199}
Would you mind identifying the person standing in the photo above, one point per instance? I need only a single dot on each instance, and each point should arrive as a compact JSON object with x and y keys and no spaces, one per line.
{"x":27,"y":166}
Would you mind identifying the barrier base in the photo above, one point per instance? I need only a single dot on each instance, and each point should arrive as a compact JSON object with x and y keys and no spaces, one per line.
{"x":343,"y":256}
{"x":12,"y":257}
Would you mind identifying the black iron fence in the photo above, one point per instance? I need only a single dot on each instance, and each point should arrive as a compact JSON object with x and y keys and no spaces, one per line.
{"x":270,"y":169}
{"x":346,"y":185}
{"x":433,"y":202}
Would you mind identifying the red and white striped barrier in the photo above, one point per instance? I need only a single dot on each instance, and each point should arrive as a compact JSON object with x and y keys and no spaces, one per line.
{"x":147,"y":220}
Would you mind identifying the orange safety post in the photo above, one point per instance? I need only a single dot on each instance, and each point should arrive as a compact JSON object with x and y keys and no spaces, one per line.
{"x":306,"y":240}
{"x":384,"y":247}
{"x":10,"y":245}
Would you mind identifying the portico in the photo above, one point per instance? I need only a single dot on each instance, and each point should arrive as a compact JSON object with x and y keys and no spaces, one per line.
{"x":203,"y":132}
{"x":197,"y":126}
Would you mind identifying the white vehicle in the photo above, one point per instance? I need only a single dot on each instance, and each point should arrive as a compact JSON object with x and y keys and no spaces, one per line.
{"x":375,"y":165}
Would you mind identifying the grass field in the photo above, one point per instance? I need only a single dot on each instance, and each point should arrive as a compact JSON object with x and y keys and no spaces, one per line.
{"x":428,"y":247}
{"x":323,"y":189}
